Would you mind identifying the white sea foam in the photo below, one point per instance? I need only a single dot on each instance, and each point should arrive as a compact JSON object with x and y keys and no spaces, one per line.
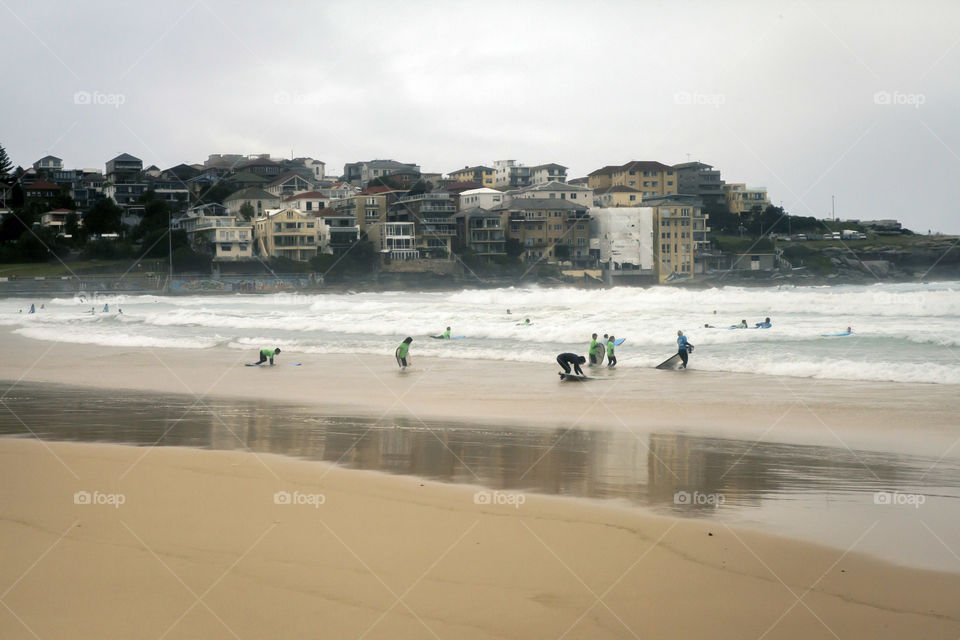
{"x":905,"y":332}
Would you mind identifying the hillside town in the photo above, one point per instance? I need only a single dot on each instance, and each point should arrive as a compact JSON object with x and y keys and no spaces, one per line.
{"x":640,"y":222}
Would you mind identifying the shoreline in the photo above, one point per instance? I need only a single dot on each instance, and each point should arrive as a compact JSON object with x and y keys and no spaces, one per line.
{"x":342,"y":565}
{"x":527,"y":393}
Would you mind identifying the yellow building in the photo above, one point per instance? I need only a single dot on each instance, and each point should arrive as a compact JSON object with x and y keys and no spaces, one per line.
{"x":291,"y":233}
{"x":617,"y":196}
{"x":741,"y":199}
{"x":649,"y":177}
{"x":674,"y":246}
{"x":480,"y":174}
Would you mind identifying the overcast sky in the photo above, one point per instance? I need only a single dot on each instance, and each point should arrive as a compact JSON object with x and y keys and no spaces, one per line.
{"x":809,"y":99}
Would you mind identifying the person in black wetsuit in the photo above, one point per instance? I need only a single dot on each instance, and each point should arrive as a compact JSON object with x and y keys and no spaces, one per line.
{"x":567,"y":359}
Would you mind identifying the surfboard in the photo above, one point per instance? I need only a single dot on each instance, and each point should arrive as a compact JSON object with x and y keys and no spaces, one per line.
{"x":672,"y":363}
{"x":619,"y":341}
{"x":451,"y":337}
{"x":257,"y":364}
{"x":574,"y":377}
{"x":836,"y":335}
{"x":601,"y":352}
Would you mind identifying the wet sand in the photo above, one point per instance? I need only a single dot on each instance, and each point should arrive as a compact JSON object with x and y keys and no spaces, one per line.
{"x":202,"y":547}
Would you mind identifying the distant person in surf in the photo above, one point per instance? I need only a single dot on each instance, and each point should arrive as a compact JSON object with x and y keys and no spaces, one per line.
{"x":402,"y":352}
{"x":565,"y":360}
{"x":594,"y":351}
{"x":32,"y":309}
{"x":766,"y":324}
{"x":611,"y":358}
{"x":446,"y":334}
{"x":683,"y":348}
{"x":268,"y":354}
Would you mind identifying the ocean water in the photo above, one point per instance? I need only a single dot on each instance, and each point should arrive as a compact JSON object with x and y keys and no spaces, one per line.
{"x":901,"y":332}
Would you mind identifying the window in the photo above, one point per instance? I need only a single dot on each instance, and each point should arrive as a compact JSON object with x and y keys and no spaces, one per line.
{"x":581,"y":241}
{"x":226,"y":246}
{"x":277,"y":226}
{"x":632,"y":198}
{"x":309,"y":206}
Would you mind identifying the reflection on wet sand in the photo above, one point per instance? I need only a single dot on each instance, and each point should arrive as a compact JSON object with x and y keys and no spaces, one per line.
{"x":648,"y":469}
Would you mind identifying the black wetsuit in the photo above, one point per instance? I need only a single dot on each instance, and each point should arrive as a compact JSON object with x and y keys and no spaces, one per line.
{"x":567,"y":359}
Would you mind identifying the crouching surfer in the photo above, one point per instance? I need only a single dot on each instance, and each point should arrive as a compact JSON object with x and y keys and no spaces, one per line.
{"x":565,"y":360}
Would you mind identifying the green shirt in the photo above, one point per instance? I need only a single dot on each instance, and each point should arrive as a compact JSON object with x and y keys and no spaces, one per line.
{"x":610,"y":346}
{"x":446,"y":334}
{"x":593,"y":347}
{"x":402,"y":350}
{"x":267,"y":352}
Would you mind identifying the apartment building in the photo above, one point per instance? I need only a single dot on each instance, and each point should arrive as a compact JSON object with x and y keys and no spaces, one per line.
{"x":546,"y":173}
{"x":549,"y":229}
{"x":483,"y":176}
{"x":481,"y":231}
{"x":742,"y":199}
{"x":210,"y":229}
{"x":290,"y":233}
{"x":432,"y":214}
{"x":649,"y":177}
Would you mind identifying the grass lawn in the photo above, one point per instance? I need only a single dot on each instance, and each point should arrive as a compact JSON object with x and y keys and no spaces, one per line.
{"x":56,"y":269}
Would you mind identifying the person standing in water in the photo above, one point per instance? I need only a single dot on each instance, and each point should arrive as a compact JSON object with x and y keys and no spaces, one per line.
{"x":402,"y":352}
{"x":32,"y":309}
{"x":611,"y":358}
{"x":594,"y":350}
{"x":683,"y":347}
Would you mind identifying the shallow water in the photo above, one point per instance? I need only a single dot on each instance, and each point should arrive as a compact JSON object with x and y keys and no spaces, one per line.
{"x":901,"y":332}
{"x":821,"y":492}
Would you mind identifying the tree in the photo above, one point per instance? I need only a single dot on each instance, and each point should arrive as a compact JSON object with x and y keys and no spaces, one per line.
{"x":5,"y":164}
{"x":246,"y":211}
{"x":103,"y":217}
{"x":71,"y":226}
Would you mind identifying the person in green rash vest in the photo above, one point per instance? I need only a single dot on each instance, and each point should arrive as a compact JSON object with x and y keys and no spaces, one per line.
{"x":611,"y":359}
{"x":594,"y":351}
{"x":446,"y":334}
{"x":402,"y":352}
{"x":268,"y":354}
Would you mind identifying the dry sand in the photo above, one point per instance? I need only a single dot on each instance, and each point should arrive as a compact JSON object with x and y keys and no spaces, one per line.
{"x":200,"y":549}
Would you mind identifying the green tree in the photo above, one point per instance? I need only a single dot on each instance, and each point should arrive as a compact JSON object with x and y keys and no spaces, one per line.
{"x":103,"y":217}
{"x":246,"y":211}
{"x":5,"y":164}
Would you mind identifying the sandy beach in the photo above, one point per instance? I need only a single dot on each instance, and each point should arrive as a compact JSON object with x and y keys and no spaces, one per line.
{"x":183,"y":543}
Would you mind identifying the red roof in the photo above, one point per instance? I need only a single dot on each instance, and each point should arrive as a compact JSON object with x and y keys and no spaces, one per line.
{"x":42,"y":185}
{"x":369,"y":191}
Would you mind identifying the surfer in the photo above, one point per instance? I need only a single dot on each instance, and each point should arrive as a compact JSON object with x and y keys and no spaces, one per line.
{"x":565,"y":360}
{"x":106,"y":308}
{"x":446,"y":334}
{"x":611,"y":358}
{"x":766,"y":324}
{"x":32,"y":309}
{"x":742,"y":325}
{"x":682,"y":348}
{"x":402,"y":352}
{"x":594,"y":351}
{"x":268,"y":354}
